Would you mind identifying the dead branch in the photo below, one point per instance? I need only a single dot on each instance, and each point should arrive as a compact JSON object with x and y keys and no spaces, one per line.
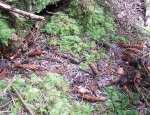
{"x":21,"y":12}
{"x":21,"y":99}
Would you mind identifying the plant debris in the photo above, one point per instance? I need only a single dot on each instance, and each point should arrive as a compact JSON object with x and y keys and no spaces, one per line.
{"x":26,"y":66}
{"x":81,"y":90}
{"x":93,"y":98}
{"x":3,"y":72}
{"x":120,"y":71}
{"x":94,"y":68}
{"x":16,"y":54}
{"x":34,"y":53}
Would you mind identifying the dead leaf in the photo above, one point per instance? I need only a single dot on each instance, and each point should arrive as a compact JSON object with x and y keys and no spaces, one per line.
{"x":94,"y":68}
{"x":94,"y":98}
{"x":26,"y":66}
{"x":81,"y":90}
{"x":126,"y":89}
{"x":31,"y":35}
{"x":16,"y":54}
{"x":120,"y":71}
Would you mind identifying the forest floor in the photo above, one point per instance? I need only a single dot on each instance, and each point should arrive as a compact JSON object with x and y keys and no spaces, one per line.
{"x":39,"y":57}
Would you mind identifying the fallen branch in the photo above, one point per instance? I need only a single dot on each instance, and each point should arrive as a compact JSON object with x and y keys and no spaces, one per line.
{"x":21,"y":12}
{"x":23,"y":102}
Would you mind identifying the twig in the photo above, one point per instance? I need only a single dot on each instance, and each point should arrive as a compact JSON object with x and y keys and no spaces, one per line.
{"x":54,"y":13}
{"x":6,"y":104}
{"x":21,"y":99}
{"x":11,"y":96}
{"x":21,"y":12}
{"x":5,"y":112}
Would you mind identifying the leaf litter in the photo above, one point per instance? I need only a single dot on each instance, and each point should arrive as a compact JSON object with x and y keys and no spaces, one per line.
{"x":128,"y":71}
{"x":90,"y":84}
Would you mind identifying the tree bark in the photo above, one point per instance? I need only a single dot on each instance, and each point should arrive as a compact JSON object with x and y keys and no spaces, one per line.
{"x":21,"y":12}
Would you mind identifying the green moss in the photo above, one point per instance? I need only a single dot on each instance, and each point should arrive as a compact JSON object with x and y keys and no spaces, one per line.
{"x":118,"y":103}
{"x":98,"y":25}
{"x":79,"y":26}
{"x":62,"y":25}
{"x":41,"y":4}
{"x":2,"y":85}
{"x":46,"y":95}
{"x":70,"y":33}
{"x":5,"y":32}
